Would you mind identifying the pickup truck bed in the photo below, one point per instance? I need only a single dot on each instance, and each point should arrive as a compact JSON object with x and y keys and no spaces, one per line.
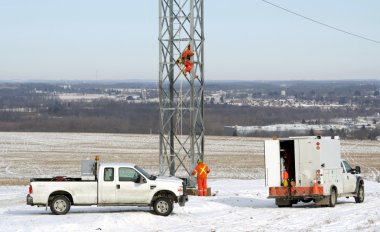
{"x":82,"y":192}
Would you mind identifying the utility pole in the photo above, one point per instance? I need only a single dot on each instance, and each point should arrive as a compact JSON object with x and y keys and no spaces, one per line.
{"x":181,"y":95}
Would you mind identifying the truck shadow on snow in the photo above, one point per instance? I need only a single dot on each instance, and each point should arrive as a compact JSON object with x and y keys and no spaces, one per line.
{"x":246,"y":202}
{"x":86,"y":210}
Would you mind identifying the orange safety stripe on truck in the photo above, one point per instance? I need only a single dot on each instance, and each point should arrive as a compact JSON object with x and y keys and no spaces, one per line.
{"x":275,"y":192}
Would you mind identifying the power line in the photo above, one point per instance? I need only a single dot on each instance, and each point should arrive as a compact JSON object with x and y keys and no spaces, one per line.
{"x":323,"y":24}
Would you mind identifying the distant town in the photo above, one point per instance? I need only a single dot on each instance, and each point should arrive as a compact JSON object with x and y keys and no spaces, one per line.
{"x":256,"y":108}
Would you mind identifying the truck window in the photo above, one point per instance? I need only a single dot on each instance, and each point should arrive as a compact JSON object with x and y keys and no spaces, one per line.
{"x":346,"y":166}
{"x":127,"y":174}
{"x":108,"y":174}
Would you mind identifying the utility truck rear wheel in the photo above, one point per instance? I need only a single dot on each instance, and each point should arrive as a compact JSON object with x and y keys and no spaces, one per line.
{"x":283,"y":203}
{"x":360,"y":196}
{"x":333,"y":198}
{"x":60,"y":205}
{"x":163,"y":206}
{"x":307,"y":200}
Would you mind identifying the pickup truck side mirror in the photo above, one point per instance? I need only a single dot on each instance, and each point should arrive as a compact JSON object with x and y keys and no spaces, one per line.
{"x":140,"y":179}
{"x":357,"y":168}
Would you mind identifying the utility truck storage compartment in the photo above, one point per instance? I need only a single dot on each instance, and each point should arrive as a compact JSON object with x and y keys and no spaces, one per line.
{"x":303,"y":168}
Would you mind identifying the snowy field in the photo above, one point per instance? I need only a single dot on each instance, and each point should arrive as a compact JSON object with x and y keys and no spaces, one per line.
{"x":240,"y":205}
{"x":237,"y":165}
{"x":26,"y":155}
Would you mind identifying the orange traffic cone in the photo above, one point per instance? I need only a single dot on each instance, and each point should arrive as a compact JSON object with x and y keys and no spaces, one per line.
{"x":315,"y":188}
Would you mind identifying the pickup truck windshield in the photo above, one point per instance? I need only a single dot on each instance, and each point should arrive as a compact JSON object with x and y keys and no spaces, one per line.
{"x":145,"y":173}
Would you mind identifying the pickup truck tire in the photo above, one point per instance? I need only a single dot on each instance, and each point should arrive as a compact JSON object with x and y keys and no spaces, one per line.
{"x":60,"y":205}
{"x":360,"y":196}
{"x":333,"y":198}
{"x":163,"y":206}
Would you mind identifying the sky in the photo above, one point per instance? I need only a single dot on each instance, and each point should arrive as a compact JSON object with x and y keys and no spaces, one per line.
{"x":244,"y":40}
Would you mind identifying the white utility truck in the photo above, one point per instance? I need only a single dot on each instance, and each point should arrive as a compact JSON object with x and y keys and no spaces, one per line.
{"x":108,"y":184}
{"x":310,"y":169}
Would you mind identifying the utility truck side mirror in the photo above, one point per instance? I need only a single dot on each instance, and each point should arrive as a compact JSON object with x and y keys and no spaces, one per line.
{"x":357,"y":168}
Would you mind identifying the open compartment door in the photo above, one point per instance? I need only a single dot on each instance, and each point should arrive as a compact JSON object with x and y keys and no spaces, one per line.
{"x":272,"y":163}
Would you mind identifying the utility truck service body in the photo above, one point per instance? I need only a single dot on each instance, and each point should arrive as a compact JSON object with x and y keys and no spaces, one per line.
{"x":108,"y":184}
{"x":309,"y":169}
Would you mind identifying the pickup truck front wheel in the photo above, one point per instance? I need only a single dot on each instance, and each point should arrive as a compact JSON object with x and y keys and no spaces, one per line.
{"x":60,"y":205}
{"x":163,"y":206}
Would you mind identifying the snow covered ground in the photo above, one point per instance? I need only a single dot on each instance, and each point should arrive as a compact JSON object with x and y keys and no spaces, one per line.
{"x":240,"y":205}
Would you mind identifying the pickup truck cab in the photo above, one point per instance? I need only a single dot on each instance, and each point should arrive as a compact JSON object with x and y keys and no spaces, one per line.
{"x":114,"y":184}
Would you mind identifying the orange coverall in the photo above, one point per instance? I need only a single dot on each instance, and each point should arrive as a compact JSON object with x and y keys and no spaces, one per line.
{"x":201,"y":170}
{"x":188,"y":66}
{"x":186,"y":56}
{"x":285,"y":177}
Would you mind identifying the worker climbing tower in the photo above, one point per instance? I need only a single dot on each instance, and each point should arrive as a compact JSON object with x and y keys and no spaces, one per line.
{"x":181,"y":85}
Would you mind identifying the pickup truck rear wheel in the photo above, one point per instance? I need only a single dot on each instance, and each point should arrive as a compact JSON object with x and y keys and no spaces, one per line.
{"x":360,"y":196}
{"x":163,"y":206}
{"x":333,"y":198}
{"x":60,"y":205}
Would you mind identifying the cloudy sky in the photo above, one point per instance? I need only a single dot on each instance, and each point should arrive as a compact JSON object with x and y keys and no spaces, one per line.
{"x":245,"y":40}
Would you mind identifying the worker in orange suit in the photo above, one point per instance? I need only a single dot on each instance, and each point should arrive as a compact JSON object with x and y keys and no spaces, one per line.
{"x":185,"y":59}
{"x":188,"y":66}
{"x":187,"y":54}
{"x":285,"y":178}
{"x":201,"y":170}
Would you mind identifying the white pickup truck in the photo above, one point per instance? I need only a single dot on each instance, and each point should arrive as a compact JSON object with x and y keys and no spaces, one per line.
{"x":108,"y":184}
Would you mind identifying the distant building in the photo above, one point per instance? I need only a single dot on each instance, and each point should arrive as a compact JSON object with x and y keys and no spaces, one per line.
{"x":143,"y":94}
{"x":283,"y":93}
{"x":296,"y":128}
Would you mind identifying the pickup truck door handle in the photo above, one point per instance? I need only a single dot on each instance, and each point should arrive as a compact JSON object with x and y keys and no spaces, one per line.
{"x":118,"y":186}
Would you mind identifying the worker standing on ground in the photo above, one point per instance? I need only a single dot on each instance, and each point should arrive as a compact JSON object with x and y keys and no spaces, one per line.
{"x":201,"y":170}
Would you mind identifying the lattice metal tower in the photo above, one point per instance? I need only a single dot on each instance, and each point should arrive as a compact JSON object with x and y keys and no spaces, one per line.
{"x":181,"y":95}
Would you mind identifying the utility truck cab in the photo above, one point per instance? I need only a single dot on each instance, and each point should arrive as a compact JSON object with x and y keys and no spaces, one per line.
{"x":310,"y":169}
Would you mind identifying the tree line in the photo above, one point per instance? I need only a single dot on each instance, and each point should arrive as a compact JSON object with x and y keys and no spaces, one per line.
{"x":106,"y":116}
